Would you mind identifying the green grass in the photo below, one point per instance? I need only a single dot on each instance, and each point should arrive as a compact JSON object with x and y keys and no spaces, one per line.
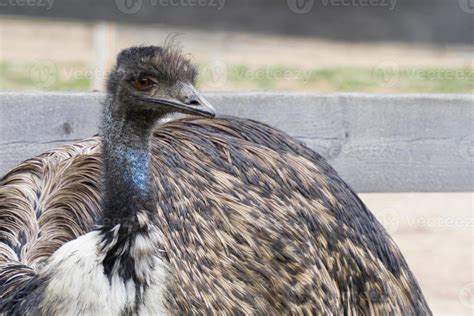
{"x":358,"y":79}
{"x":44,"y":76}
{"x":74,"y":76}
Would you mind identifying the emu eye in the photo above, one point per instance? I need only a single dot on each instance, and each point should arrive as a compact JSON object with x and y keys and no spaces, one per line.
{"x":143,"y":83}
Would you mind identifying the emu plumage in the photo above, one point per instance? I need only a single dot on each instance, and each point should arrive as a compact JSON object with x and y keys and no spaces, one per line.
{"x":199,"y":217}
{"x":254,"y":222}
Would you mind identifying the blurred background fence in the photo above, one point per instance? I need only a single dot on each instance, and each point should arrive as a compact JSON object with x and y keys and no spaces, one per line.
{"x":378,"y":143}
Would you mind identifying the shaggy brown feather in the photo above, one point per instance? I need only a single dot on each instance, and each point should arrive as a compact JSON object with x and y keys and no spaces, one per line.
{"x":254,"y":223}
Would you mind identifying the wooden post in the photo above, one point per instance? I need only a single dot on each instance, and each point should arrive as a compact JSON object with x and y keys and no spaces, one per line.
{"x":104,"y":43}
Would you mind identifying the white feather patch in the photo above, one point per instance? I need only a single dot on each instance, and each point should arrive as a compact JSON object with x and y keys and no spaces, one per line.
{"x":77,"y":285}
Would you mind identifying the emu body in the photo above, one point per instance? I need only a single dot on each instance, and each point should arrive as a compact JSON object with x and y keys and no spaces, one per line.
{"x":252,"y":221}
{"x":197,"y":216}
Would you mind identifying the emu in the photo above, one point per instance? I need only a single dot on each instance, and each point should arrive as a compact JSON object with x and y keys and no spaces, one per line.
{"x":195,"y":216}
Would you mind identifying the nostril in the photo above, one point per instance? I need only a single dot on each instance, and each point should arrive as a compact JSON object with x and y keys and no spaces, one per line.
{"x":194,"y":102}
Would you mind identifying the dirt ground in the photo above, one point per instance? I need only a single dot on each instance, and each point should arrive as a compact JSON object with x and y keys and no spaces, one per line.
{"x":67,"y":41}
{"x":435,"y":233}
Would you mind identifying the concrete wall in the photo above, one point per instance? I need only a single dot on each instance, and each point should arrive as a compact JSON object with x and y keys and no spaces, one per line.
{"x":378,"y":143}
{"x":416,"y":21}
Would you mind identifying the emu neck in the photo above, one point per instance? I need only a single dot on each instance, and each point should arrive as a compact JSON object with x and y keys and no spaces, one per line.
{"x":127,"y":202}
{"x":126,"y":167}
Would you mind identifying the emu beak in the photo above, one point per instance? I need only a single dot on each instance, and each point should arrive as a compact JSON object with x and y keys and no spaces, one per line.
{"x":188,"y":101}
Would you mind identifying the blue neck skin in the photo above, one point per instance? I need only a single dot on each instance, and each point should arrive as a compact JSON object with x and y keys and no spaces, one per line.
{"x":137,"y":163}
{"x":132,"y":169}
{"x":127,"y":145}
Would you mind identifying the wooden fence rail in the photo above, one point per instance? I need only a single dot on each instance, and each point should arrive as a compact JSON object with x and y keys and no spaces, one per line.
{"x":378,"y":143}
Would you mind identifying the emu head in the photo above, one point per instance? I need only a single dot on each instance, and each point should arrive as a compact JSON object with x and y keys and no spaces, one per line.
{"x":152,"y":82}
